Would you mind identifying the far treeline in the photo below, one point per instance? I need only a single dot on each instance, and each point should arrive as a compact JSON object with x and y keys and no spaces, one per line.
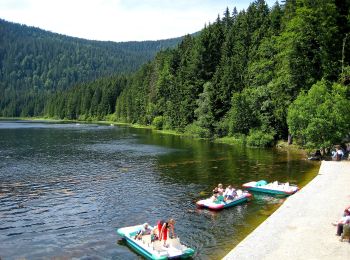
{"x":35,"y":63}
{"x":258,"y":75}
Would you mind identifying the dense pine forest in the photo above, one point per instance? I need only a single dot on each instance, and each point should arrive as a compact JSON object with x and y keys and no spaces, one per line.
{"x":261,"y":74}
{"x":35,"y":63}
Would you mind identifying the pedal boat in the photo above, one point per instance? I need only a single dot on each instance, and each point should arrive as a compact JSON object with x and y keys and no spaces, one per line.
{"x":274,"y":188}
{"x":154,"y":249}
{"x":242,"y":196}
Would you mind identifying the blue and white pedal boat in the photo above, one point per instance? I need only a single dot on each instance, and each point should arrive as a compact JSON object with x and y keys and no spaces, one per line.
{"x":210,"y":204}
{"x":274,"y":188}
{"x":154,"y":249}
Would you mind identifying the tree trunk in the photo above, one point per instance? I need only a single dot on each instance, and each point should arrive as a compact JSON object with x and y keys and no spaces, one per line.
{"x":290,"y":139}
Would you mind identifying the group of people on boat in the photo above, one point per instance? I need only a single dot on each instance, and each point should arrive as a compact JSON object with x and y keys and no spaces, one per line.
{"x":161,"y":231}
{"x":223,"y":195}
{"x":343,"y":225}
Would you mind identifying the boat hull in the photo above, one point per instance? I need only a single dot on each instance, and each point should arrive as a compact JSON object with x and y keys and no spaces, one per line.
{"x":142,"y":251}
{"x":269,"y":189}
{"x":147,"y":248}
{"x":209,"y":204}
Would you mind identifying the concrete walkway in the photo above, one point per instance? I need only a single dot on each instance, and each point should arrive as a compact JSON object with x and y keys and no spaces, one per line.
{"x":301,"y":228}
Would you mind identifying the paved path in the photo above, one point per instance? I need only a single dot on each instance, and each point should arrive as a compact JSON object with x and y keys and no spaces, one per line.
{"x":301,"y":228}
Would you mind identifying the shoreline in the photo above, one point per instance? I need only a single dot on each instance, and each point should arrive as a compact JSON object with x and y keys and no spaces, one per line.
{"x":280,"y":144}
{"x":301,"y":227}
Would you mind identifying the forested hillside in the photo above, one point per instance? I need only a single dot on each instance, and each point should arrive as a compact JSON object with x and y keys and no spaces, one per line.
{"x":262,"y":74}
{"x":35,"y":63}
{"x":241,"y":74}
{"x":88,"y":101}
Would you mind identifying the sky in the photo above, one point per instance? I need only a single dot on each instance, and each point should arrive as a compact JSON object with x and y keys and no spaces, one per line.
{"x":119,"y":20}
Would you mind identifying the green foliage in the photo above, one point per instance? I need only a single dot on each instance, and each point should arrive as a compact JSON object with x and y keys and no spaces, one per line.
{"x":36,"y":63}
{"x":158,"y":122}
{"x":203,"y":112}
{"x":243,"y":71}
{"x":320,"y":118}
{"x":222,"y":128}
{"x":236,"y":77}
{"x":308,"y":49}
{"x":258,"y":138}
{"x":197,"y":131}
{"x":241,"y":116}
{"x":90,"y":101}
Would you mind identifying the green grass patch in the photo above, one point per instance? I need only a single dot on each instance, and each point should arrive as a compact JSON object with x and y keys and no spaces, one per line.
{"x":232,"y":140}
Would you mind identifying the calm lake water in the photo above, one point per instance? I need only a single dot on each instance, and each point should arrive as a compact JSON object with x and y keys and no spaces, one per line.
{"x":65,"y":188}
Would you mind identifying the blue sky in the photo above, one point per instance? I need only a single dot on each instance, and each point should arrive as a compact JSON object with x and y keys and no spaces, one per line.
{"x":118,"y":20}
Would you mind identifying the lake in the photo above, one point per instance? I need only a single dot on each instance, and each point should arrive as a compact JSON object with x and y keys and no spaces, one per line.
{"x":66,"y":187}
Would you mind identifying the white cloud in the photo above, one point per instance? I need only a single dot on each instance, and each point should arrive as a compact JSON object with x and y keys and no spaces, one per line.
{"x":117,"y":20}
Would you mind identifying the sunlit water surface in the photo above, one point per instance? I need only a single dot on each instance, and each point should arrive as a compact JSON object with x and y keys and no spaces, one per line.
{"x":65,"y":188}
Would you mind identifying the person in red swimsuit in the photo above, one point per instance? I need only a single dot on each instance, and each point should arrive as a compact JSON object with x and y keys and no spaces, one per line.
{"x":169,"y":225}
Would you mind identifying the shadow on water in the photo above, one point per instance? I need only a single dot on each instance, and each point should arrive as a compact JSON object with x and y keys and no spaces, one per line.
{"x":64,"y":188}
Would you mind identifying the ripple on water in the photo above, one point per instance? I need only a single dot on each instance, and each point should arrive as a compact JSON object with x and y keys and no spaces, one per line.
{"x":64,"y":188}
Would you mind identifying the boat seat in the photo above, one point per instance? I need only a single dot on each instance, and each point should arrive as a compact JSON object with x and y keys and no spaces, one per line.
{"x":146,"y":239}
{"x":158,"y":245}
{"x":133,"y":234}
{"x":175,"y":242}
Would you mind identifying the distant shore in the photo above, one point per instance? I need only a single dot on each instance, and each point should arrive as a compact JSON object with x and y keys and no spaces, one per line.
{"x":301,"y":228}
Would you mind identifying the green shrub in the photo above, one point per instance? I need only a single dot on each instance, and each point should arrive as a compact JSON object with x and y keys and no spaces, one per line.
{"x":197,"y":131}
{"x":222,"y":128}
{"x":258,"y":138}
{"x":158,"y":122}
{"x":110,"y":117}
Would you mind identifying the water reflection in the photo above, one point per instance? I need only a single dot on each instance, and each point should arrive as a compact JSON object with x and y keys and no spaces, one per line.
{"x":64,"y":188}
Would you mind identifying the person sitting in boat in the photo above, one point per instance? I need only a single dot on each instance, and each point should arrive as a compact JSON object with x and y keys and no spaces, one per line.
{"x":221,"y":188}
{"x":155,"y":234}
{"x":146,"y":230}
{"x":218,"y":198}
{"x":218,"y":189}
{"x":230,"y":193}
{"x":215,"y":194}
{"x":167,"y":228}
